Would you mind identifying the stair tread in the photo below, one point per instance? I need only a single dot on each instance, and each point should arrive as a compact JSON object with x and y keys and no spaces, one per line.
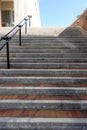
{"x":56,"y":91}
{"x":16,"y":101}
{"x":35,"y":77}
{"x":42,"y":88}
{"x":47,"y":120}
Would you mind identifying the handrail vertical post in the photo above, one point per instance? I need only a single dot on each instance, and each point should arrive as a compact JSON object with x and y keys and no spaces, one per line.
{"x":19,"y":35}
{"x":30,"y":20}
{"x":7,"y":51}
{"x":25,"y":26}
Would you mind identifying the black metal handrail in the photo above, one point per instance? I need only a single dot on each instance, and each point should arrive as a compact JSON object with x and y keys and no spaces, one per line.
{"x":7,"y":37}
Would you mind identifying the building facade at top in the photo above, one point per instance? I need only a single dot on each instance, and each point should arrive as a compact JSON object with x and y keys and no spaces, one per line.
{"x":13,"y":11}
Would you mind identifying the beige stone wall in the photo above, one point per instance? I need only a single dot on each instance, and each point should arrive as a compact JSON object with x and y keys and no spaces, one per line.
{"x":27,"y":7}
{"x":0,"y":14}
{"x":81,"y":21}
{"x":22,"y":8}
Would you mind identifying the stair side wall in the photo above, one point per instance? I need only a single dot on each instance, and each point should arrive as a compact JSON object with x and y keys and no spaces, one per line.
{"x":81,"y":21}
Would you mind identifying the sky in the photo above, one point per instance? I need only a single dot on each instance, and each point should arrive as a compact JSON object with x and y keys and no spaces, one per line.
{"x":60,"y":12}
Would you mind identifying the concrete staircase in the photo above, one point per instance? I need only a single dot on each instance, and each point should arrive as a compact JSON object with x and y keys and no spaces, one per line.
{"x":46,"y":87}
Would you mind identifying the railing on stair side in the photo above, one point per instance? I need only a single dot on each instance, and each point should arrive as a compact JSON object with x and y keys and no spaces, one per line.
{"x":12,"y":33}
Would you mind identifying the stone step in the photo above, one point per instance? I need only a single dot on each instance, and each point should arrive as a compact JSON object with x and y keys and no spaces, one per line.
{"x":46,"y":42}
{"x":72,"y":40}
{"x":43,"y":105}
{"x":33,"y":47}
{"x":43,"y":80}
{"x":42,"y":40}
{"x":29,"y":37}
{"x":39,"y":44}
{"x":43,"y":113}
{"x":45,"y":65}
{"x":53,"y":44}
{"x":42,"y":91}
{"x":14,"y":47}
{"x":72,"y":35}
{"x":44,"y":72}
{"x":67,"y":50}
{"x":32,"y":59}
{"x":45,"y":55}
{"x":50,"y":55}
{"x":40,"y":97}
{"x":72,"y":50}
{"x":46,"y":46}
{"x":79,"y":37}
{"x":56,"y":37}
{"x":43,"y":124}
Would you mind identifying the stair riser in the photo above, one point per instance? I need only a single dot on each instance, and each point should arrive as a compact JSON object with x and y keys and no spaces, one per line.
{"x":59,"y":73}
{"x":46,"y":55}
{"x":46,"y":66}
{"x":72,"y":37}
{"x":48,"y":41}
{"x":44,"y":48}
{"x":43,"y":60}
{"x":50,"y":51}
{"x":47,"y":51}
{"x":44,"y":44}
{"x":49,"y":45}
{"x":49,"y":55}
{"x":54,"y":40}
{"x":60,"y":39}
{"x":15,"y":47}
{"x":72,"y":40}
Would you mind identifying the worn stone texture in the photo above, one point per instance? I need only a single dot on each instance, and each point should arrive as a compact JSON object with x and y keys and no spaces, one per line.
{"x":47,"y":82}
